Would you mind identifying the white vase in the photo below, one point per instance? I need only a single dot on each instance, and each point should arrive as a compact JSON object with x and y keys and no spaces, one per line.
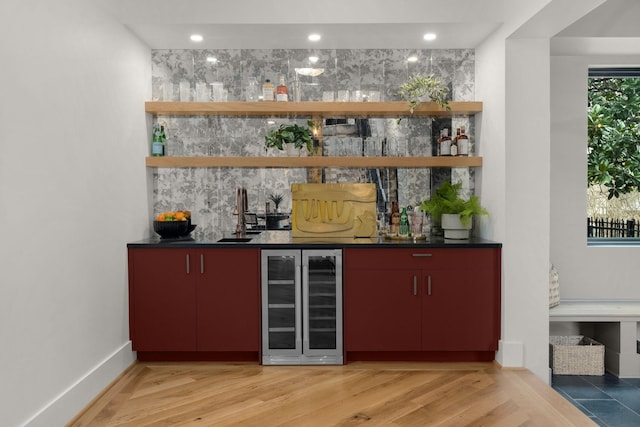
{"x":292,"y":150}
{"x":453,"y":227}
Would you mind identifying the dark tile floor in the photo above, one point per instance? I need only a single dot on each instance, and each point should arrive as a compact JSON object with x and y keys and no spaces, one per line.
{"x":608,"y":400}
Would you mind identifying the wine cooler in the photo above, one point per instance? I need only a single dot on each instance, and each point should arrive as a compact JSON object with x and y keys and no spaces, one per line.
{"x":302,"y":307}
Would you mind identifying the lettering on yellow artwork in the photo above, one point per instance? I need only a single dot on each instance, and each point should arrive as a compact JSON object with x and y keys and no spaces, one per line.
{"x":333,"y":210}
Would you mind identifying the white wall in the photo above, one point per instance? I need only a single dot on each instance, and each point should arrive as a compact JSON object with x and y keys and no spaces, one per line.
{"x":73,"y":191}
{"x":514,"y":131}
{"x":72,"y":194}
{"x":585,"y":272}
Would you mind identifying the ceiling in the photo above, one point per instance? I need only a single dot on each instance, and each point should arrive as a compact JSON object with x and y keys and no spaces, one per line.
{"x":294,"y":36}
{"x":347,"y":24}
{"x":614,"y":18}
{"x":285,"y":24}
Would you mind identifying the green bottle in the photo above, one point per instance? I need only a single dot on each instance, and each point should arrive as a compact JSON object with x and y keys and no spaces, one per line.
{"x":404,"y":223}
{"x":157,"y":143}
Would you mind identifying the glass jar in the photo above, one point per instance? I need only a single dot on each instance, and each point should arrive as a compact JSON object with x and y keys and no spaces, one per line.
{"x":252,"y":90}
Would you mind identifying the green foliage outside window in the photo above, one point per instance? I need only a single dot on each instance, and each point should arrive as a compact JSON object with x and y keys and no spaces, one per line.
{"x":614,"y":134}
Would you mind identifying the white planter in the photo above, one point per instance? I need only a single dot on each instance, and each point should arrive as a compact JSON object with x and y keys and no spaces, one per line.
{"x":292,"y":150}
{"x":453,"y":227}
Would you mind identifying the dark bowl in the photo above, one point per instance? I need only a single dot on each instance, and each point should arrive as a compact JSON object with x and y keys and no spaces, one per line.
{"x":171,"y":229}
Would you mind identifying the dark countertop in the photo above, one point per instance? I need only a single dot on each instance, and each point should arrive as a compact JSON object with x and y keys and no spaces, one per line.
{"x":270,"y":239}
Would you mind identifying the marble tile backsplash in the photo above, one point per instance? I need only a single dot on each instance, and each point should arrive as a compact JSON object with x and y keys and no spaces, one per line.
{"x":210,"y":192}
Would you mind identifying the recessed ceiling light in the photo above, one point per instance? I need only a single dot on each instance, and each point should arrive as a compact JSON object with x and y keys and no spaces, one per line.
{"x":412,"y":58}
{"x":212,"y":59}
{"x":313,"y":59}
{"x":196,"y":38}
{"x":314,"y":37}
{"x":430,"y":36}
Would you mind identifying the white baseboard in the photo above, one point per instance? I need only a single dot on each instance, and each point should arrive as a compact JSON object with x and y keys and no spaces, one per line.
{"x":510,"y":354}
{"x":70,"y":402}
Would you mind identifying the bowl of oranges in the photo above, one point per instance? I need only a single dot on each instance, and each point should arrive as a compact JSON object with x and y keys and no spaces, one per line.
{"x":171,"y":225}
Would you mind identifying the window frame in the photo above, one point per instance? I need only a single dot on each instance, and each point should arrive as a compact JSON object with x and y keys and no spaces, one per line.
{"x":612,"y":72}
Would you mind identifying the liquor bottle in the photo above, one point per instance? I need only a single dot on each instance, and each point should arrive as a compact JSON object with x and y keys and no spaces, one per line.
{"x":282,"y":94}
{"x":454,"y":143}
{"x":394,"y":219}
{"x":463,"y":143}
{"x":267,"y":91}
{"x":157,"y":146}
{"x":445,"y":143}
{"x":404,"y":223}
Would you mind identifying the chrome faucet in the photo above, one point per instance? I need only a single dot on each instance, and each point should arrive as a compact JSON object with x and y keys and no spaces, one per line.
{"x":240,"y":209}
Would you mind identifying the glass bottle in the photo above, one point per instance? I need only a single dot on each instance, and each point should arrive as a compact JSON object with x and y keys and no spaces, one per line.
{"x":282,"y":93}
{"x":394,"y":219}
{"x":463,"y":143}
{"x":454,"y":143}
{"x":445,"y":143}
{"x":157,"y":146}
{"x":267,"y":91}
{"x":404,"y":223}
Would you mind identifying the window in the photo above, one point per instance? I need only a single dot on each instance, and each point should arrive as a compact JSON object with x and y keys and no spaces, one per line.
{"x":613,"y":208}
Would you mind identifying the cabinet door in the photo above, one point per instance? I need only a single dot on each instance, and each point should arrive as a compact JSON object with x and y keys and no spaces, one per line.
{"x":460,"y":308}
{"x":162,"y":300}
{"x":228,"y":299}
{"x":381,"y":310}
{"x":281,"y":300}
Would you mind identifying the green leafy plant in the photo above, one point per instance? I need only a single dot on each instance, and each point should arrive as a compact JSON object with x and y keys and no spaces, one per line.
{"x":276,"y":199}
{"x":288,"y":133}
{"x":418,"y":85}
{"x":447,"y":200}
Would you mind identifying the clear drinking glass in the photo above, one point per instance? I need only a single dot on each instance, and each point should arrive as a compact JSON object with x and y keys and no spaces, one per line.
{"x":252,"y":90}
{"x":217,"y":91}
{"x":185,"y":91}
{"x":417,"y":221}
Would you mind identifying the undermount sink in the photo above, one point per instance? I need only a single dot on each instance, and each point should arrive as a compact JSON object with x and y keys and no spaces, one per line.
{"x":253,"y":232}
{"x":235,"y":240}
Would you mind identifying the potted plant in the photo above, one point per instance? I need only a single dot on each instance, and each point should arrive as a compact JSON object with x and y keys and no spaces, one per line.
{"x":452,"y":211}
{"x":418,"y":86}
{"x":290,"y":135}
{"x":276,"y":199}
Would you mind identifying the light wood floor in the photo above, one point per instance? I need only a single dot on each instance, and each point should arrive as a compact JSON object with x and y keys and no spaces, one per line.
{"x":390,"y":394}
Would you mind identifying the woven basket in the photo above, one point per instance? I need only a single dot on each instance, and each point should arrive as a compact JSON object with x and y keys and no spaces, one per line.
{"x":576,"y":355}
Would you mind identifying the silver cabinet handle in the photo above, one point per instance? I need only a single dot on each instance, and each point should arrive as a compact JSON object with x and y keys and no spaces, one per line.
{"x":429,"y":285}
{"x":188,"y":269}
{"x":201,"y":263}
{"x":415,"y":285}
{"x":421,"y":255}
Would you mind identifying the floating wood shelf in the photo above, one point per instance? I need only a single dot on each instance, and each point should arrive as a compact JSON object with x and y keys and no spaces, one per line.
{"x":312,"y":109}
{"x":312,"y":162}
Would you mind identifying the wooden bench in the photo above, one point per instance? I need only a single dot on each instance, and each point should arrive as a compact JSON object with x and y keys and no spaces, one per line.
{"x":612,"y":323}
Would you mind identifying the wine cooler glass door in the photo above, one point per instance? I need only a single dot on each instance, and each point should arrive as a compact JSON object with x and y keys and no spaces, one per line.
{"x":322,"y":303}
{"x":281,"y":273}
